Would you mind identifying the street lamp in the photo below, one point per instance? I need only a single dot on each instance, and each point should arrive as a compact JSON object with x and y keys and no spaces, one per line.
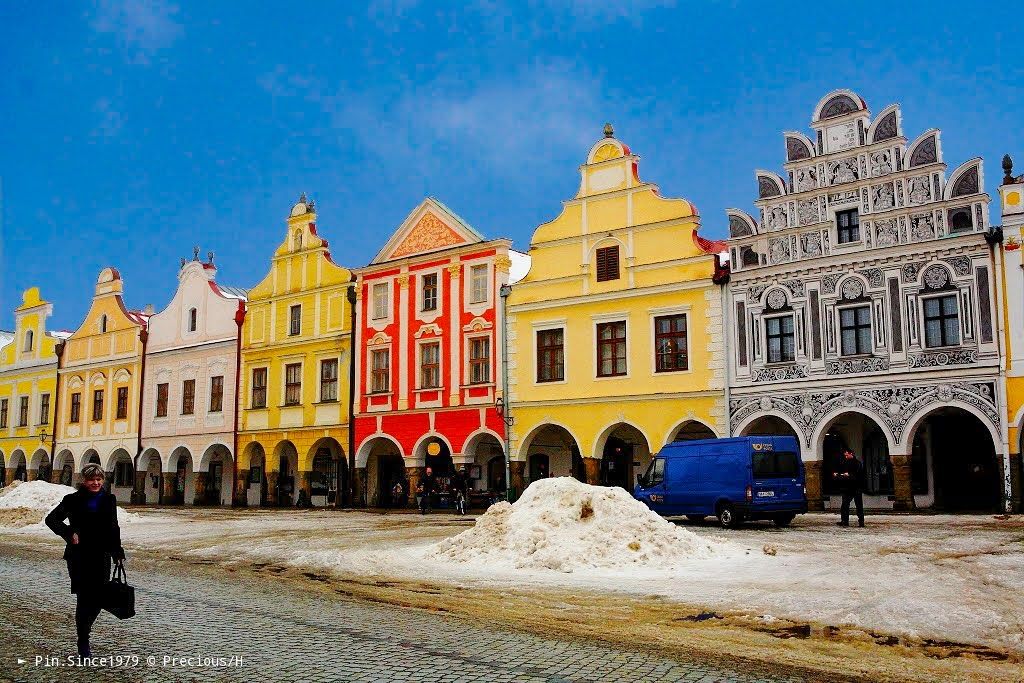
{"x":499,"y":402}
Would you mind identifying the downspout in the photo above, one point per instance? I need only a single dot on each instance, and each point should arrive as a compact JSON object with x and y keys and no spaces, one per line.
{"x":994,"y":237}
{"x":59,"y":350}
{"x":144,"y":336}
{"x":721,"y":278}
{"x":350,"y":295}
{"x":239,"y":320}
{"x":506,"y":416}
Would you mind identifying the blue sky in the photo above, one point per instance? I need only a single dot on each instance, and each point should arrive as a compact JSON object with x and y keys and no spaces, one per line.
{"x":133,"y":131}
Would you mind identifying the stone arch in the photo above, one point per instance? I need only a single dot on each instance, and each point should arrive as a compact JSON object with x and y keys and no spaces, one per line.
{"x":419,"y":451}
{"x":18,"y":465}
{"x":363,"y":452}
{"x":552,"y":449}
{"x":40,"y":460}
{"x":215,"y":475}
{"x":965,"y":180}
{"x":325,"y":468}
{"x":689,"y":429}
{"x":381,"y":464}
{"x":285,"y":464}
{"x":527,"y":440}
{"x":150,"y":466}
{"x":915,"y":421}
{"x":926,"y":149}
{"x":486,"y":449}
{"x":818,"y":435}
{"x":618,"y":446}
{"x":64,"y":468}
{"x":252,"y":474}
{"x":750,"y":424}
{"x":120,"y":469}
{"x":852,"y":287}
{"x":769,"y":184}
{"x":838,"y":103}
{"x":181,"y":475}
{"x":886,"y":125}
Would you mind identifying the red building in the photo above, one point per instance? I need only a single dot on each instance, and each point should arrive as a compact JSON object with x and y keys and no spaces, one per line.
{"x":429,"y":365}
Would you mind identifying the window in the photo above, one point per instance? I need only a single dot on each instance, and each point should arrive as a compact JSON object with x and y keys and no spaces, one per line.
{"x":550,"y":355}
{"x":380,"y":300}
{"x":188,"y":397}
{"x":76,"y":408}
{"x":611,"y":349}
{"x":295,"y":320}
{"x":23,"y":411}
{"x":193,"y":319}
{"x":848,"y":226}
{"x":293,"y":384}
{"x":430,"y":365}
{"x":960,"y":220}
{"x":44,"y":409}
{"x":161,"y":399}
{"x":480,"y":360}
{"x":670,"y":343}
{"x":380,"y":378}
{"x":3,"y":414}
{"x":855,"y":330}
{"x":941,"y":321}
{"x":429,"y":301}
{"x":123,"y":474}
{"x":608,"y":263}
{"x":216,"y":394}
{"x":329,"y":379}
{"x":478,"y":284}
{"x":29,"y":339}
{"x":775,"y":464}
{"x":103,"y":323}
{"x":259,"y":388}
{"x":97,"y":405}
{"x":122,"y":403}
{"x":655,"y":473}
{"x":781,"y":341}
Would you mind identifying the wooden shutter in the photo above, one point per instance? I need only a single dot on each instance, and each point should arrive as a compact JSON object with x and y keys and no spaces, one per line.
{"x":607,"y":263}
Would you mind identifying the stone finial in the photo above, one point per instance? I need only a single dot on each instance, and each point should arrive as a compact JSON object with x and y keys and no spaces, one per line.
{"x":1007,"y":169}
{"x":311,"y":205}
{"x":302,"y":198}
{"x":183,"y":262}
{"x":195,"y":253}
{"x":209,"y":257}
{"x":609,"y":130}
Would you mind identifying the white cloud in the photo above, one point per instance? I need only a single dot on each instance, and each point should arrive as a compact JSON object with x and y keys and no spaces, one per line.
{"x":142,"y":26}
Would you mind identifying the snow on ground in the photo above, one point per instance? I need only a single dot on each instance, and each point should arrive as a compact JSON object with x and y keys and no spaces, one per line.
{"x":29,"y":502}
{"x":566,"y":525}
{"x":944,"y":577}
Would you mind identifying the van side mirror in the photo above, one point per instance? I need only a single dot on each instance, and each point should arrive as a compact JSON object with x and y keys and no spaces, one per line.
{"x":640,"y":479}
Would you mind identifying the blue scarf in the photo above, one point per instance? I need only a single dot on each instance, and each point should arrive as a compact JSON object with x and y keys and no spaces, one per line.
{"x":92,"y":500}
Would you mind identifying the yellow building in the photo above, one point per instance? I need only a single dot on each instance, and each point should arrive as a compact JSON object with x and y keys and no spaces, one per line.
{"x":1011,"y":197}
{"x":28,"y":386}
{"x":615,"y":334}
{"x":294,"y":394}
{"x":99,"y":384}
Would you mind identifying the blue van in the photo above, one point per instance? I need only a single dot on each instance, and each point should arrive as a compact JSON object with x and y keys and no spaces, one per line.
{"x":743,"y":478}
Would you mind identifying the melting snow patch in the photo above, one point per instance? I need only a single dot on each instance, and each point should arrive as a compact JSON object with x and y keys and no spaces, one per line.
{"x":565,"y":525}
{"x":41,"y":496}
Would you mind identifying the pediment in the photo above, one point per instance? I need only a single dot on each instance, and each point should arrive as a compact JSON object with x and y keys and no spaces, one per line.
{"x":429,"y":228}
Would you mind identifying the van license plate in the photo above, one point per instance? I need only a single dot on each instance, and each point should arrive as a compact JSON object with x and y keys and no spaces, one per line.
{"x":766,"y":494}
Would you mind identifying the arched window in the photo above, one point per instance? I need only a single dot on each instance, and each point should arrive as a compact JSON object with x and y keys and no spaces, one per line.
{"x":297,"y":241}
{"x":193,"y":319}
{"x":103,"y":323}
{"x":29,"y":340}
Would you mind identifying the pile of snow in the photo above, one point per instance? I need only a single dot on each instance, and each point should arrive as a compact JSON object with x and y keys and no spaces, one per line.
{"x":565,"y":525}
{"x":41,"y":496}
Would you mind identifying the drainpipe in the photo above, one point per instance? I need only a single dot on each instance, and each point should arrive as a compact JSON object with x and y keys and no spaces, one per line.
{"x":721,"y":278}
{"x":144,"y":336}
{"x":506,"y":415}
{"x":239,"y":320}
{"x":994,"y":237}
{"x":59,"y":350}
{"x":350,"y":295}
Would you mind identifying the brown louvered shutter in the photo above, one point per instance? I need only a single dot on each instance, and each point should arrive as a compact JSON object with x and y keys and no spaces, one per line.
{"x":607,"y":263}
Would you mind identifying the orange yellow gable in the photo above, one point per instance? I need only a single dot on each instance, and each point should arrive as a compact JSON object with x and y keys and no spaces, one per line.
{"x":429,"y":234}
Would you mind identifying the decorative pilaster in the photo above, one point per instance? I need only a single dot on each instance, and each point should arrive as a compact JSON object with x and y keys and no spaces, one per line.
{"x":240,"y":496}
{"x":138,"y":489}
{"x":270,"y":494}
{"x":168,"y":496}
{"x":415,"y":474}
{"x":306,"y":484}
{"x":901,"y":480}
{"x":812,"y":480}
{"x":199,"y":496}
{"x":360,"y":488}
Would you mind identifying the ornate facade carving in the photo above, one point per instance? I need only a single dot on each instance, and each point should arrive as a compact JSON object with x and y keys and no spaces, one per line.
{"x":775,"y":217}
{"x":837,"y":106}
{"x":873,"y":276}
{"x":778,"y":250}
{"x":828,"y":282}
{"x":738,"y":227}
{"x":922,"y":227}
{"x":967,"y":183}
{"x":796,"y":149}
{"x":808,"y":211}
{"x":778,"y":374}
{"x":846,"y":366}
{"x":810,"y":243}
{"x":961,"y":265}
{"x":843,"y":171}
{"x":853,"y":289}
{"x":941,"y":359}
{"x":887,"y":233}
{"x":886,"y":128}
{"x":806,"y":179}
{"x":882,"y":197}
{"x":429,"y":233}
{"x":766,"y":187}
{"x":881,"y":162}
{"x":926,"y":153}
{"x":918,"y":189}
{"x":796,"y":287}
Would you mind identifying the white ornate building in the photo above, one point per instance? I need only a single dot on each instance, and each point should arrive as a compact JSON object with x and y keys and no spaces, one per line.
{"x":863,"y":313}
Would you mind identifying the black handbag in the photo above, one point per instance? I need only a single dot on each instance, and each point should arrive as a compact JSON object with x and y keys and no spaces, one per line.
{"x":120,"y":597}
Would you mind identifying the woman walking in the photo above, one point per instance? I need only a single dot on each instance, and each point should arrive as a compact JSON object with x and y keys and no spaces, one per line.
{"x":93,"y":537}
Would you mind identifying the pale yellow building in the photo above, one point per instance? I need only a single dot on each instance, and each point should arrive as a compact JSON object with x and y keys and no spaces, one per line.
{"x":1011,"y":199}
{"x":294,"y":394}
{"x":615,"y":334}
{"x":100,"y":383}
{"x":28,"y":384}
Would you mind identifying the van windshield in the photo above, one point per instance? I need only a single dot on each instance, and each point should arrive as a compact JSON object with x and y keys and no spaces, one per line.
{"x":775,"y":464}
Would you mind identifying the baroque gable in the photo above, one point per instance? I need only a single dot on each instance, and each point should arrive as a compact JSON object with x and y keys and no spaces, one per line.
{"x":430,"y":227}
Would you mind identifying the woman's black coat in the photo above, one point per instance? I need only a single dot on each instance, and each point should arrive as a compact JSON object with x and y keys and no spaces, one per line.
{"x":99,"y":538}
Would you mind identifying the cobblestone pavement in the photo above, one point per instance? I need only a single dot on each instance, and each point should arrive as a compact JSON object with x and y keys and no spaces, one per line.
{"x":285,"y":633}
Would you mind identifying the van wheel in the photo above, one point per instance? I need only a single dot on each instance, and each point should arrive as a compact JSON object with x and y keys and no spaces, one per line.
{"x":727,"y":517}
{"x":783,"y":520}
{"x":696,"y":518}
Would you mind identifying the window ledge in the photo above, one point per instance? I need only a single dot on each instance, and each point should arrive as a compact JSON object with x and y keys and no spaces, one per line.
{"x":257,"y":408}
{"x":429,"y":389}
{"x":325,"y":401}
{"x":375,"y":394}
{"x":290,"y":405}
{"x":476,"y":385}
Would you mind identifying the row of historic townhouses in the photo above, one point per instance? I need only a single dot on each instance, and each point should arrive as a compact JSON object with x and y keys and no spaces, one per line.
{"x":294,"y":395}
{"x":1011,"y":195}
{"x":99,"y":381}
{"x":863,"y":313}
{"x":615,"y":334}
{"x":28,"y":387}
{"x":428,"y":374}
{"x":188,"y":404}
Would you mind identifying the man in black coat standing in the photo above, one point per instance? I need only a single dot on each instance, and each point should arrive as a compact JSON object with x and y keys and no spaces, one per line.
{"x":93,"y":537}
{"x":850,"y":475}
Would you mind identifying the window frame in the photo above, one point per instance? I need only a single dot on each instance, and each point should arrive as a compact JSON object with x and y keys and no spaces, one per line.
{"x":941,"y":318}
{"x":121,"y":410}
{"x":23,"y":402}
{"x":75,"y":408}
{"x":423,"y":366}
{"x":385,"y":314}
{"x":264,"y":374}
{"x":193,"y":319}
{"x":292,"y":390}
{"x":30,"y":340}
{"x":4,"y":408}
{"x":295,"y":320}
{"x":188,"y":397}
{"x":543,"y":351}
{"x":375,"y":372}
{"x":615,"y":342}
{"x":840,"y":229}
{"x":163,"y":392}
{"x":856,"y":328}
{"x":475,"y":269}
{"x":478,"y":362}
{"x":603,"y":269}
{"x":657,"y":336}
{"x":44,"y":408}
{"x":329,"y":381}
{"x":435,"y":288}
{"x":216,"y":394}
{"x":97,"y":405}
{"x":768,"y":336}
{"x":120,"y":468}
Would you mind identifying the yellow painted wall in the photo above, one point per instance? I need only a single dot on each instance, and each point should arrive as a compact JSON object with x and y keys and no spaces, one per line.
{"x":28,"y":371}
{"x":302,"y":273}
{"x":662,"y":270}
